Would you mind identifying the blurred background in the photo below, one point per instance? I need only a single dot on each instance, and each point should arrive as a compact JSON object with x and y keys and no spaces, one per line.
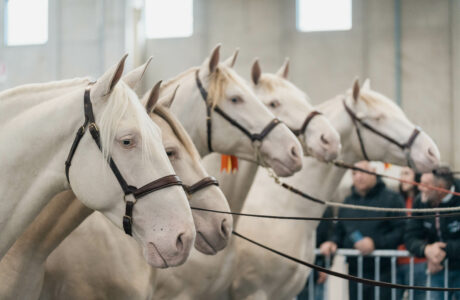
{"x":410,"y":49}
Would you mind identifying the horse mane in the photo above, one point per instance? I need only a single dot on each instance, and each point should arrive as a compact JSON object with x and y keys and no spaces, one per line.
{"x":178,"y":130}
{"x":272,"y":82}
{"x":218,"y":82}
{"x":43,"y":87}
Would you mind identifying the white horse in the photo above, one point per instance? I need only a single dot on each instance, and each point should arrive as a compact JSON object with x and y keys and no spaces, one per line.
{"x":40,"y":131}
{"x":319,"y":138}
{"x":264,"y":275}
{"x":227,"y":91}
{"x":25,"y":260}
{"x":288,"y":103}
{"x":112,"y":267}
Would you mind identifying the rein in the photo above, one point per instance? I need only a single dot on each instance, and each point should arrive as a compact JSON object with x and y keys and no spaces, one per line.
{"x":357,"y":207}
{"x":346,"y":276}
{"x":131,"y":193}
{"x":406,"y":147}
{"x":254,"y":137}
{"x":405,"y":217}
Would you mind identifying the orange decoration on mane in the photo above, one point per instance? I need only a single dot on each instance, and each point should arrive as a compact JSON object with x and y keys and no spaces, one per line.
{"x":228,"y":163}
{"x":386,"y":166}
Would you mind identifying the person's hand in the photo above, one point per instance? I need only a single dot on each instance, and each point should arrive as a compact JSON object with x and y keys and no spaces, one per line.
{"x":435,"y":252}
{"x":365,"y":246}
{"x":321,"y":278}
{"x":328,"y":248}
{"x":434,"y":268}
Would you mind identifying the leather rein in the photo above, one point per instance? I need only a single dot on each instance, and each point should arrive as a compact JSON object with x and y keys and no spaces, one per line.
{"x":254,"y":137}
{"x":131,"y":193}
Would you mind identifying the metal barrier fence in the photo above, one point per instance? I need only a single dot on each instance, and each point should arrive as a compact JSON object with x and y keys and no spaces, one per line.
{"x":378,"y":254}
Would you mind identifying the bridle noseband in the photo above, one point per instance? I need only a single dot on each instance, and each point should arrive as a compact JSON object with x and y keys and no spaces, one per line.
{"x":131,"y":193}
{"x":203,"y":183}
{"x":254,"y":137}
{"x":299,"y":133}
{"x":406,"y":147}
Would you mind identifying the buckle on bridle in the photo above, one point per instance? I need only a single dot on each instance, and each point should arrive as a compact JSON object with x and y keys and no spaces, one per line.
{"x":134,"y":200}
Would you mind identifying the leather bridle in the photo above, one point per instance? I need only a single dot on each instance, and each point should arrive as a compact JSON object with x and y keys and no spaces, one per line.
{"x":406,"y":147}
{"x":203,"y":183}
{"x":254,"y":137}
{"x":131,"y":193}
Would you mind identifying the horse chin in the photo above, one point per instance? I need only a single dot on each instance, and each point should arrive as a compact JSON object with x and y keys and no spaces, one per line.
{"x":202,"y":245}
{"x":280,"y":168}
{"x":153,"y":257}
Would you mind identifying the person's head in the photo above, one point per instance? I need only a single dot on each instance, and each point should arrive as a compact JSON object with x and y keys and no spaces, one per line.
{"x":407,"y":188}
{"x":441,"y":177}
{"x":363,"y":182}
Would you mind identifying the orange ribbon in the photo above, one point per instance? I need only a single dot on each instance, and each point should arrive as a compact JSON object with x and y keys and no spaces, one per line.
{"x":228,"y":163}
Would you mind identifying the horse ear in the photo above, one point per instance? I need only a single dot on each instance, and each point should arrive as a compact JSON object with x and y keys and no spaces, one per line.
{"x":230,"y":62}
{"x":366,"y":85}
{"x":106,"y":83}
{"x":214,"y":59}
{"x":256,"y":72}
{"x":153,"y":97}
{"x":356,"y":90}
{"x":284,"y":70}
{"x":167,"y":100}
{"x":133,"y":78}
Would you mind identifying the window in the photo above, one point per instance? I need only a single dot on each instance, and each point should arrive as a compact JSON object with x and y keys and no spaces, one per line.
{"x":323,"y":15}
{"x":26,"y":22}
{"x":168,"y":18}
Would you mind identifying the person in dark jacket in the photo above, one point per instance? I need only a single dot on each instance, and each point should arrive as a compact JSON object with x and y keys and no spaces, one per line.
{"x":409,"y":192}
{"x":366,"y":236}
{"x":438,"y":238}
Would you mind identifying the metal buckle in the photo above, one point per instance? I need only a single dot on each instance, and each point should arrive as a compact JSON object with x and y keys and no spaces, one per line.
{"x":126,"y":200}
{"x":93,"y":125}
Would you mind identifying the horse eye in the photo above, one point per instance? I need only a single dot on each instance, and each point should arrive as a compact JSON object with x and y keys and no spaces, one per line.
{"x":236,"y":100}
{"x":170,"y":153}
{"x":127,"y":143}
{"x":274,"y":104}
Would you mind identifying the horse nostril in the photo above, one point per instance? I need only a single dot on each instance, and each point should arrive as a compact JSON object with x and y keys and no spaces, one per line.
{"x":294,"y":152}
{"x":180,"y":243}
{"x":225,"y":228}
{"x":324,"y":140}
{"x":430,"y":152}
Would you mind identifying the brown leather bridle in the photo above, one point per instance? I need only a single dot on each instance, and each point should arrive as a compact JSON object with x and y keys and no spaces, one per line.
{"x":406,"y":147}
{"x":254,"y":137}
{"x":131,"y":193}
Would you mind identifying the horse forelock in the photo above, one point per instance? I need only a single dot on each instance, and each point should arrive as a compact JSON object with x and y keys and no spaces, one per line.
{"x":122,"y":102}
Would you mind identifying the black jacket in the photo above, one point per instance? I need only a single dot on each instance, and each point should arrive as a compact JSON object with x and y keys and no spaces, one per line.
{"x":421,"y":232}
{"x":385,"y":234}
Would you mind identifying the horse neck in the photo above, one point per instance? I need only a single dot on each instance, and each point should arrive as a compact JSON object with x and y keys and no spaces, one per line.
{"x":320,"y":179}
{"x":190,"y":108}
{"x":54,"y":223}
{"x":15,"y":101}
{"x":36,"y":174}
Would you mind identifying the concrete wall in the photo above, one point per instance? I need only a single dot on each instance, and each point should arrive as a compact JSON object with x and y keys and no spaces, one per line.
{"x":87,"y":36}
{"x":324,"y":63}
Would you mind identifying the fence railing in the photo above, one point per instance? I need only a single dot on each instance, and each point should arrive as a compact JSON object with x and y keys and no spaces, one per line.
{"x":377,"y":255}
